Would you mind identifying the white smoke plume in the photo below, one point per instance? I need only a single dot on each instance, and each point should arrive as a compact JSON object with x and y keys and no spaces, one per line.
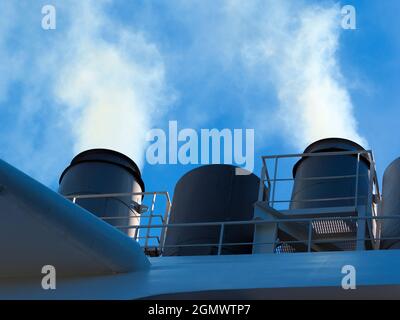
{"x":98,"y":82}
{"x":93,"y":82}
{"x":297,"y":46}
{"x":112,"y":89}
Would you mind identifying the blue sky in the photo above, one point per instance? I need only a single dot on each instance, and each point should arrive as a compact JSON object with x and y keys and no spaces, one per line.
{"x":112,"y":70}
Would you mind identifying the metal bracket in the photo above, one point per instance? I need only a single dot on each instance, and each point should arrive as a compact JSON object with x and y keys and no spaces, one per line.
{"x":139,"y":208}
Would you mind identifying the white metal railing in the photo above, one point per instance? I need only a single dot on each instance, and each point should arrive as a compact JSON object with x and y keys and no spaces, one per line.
{"x":270,"y":190}
{"x":150,"y":232}
{"x":371,"y":197}
{"x":307,"y":243}
{"x":153,"y":243}
{"x":145,"y":212}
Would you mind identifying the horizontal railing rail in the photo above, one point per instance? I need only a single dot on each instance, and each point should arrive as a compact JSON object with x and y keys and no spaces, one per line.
{"x":308,"y":241}
{"x":271,"y":182}
{"x":154,"y":224}
{"x":146,"y":218}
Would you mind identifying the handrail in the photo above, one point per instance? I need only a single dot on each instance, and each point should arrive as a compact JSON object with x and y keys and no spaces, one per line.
{"x":272,"y":182}
{"x":222,"y":225}
{"x":144,"y":217}
{"x":317,"y":154}
{"x":154,"y":233}
{"x":308,"y":242}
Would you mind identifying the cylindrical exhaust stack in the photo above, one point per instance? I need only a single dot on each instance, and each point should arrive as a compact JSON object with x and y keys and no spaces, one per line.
{"x":212,"y":193}
{"x":315,"y":176}
{"x":103,"y":171}
{"x":390,"y":206}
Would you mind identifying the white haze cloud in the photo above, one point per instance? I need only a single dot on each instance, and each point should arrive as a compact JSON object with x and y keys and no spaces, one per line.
{"x":296,"y":45}
{"x":97,"y":82}
{"x":91,"y":83}
{"x":287,"y":47}
{"x":113,"y":90}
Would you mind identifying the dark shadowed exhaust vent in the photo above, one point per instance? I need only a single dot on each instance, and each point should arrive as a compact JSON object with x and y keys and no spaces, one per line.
{"x":103,"y":171}
{"x":390,"y":206}
{"x":326,"y":178}
{"x":320,"y":178}
{"x":212,"y":193}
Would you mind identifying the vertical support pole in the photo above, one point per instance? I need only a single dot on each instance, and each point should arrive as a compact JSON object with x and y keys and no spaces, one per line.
{"x":164,"y":222}
{"x":356,"y":187}
{"x":265,"y":235}
{"x":361,"y":227}
{"x":136,"y":233}
{"x":261,"y":188}
{"x":309,"y":235}
{"x":361,"y":214}
{"x":221,"y":238}
{"x":150,"y":220}
{"x":274,"y":183}
{"x":162,"y":238}
{"x":369,"y":206}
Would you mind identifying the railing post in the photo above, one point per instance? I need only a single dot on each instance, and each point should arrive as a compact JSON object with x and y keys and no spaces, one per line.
{"x":274,"y":183}
{"x":361,"y":228}
{"x":221,"y":238}
{"x":309,"y":235}
{"x":136,"y":233}
{"x":357,"y":174}
{"x":370,"y":212}
{"x":164,"y":222}
{"x":150,"y":219}
{"x":148,"y":226}
{"x":261,"y":188}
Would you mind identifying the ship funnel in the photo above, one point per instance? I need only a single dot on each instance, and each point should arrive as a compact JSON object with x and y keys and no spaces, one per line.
{"x":330,"y":180}
{"x":99,"y":172}
{"x":212,"y":193}
{"x":390,"y":206}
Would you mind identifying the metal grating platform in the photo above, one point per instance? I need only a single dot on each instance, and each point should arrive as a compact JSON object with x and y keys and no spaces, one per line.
{"x":333,"y":227}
